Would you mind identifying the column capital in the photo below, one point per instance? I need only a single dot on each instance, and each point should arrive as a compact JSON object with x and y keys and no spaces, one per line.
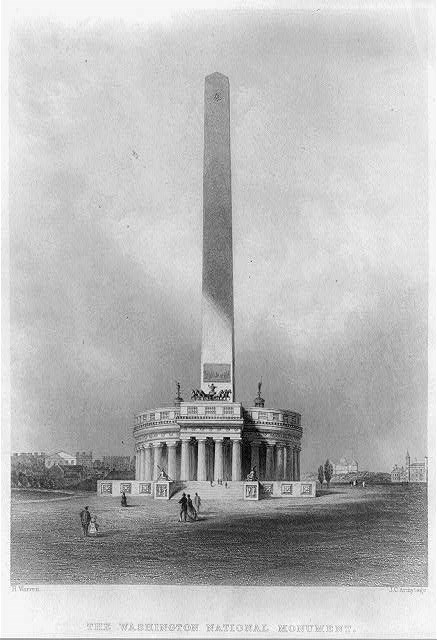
{"x":201,"y":438}
{"x":218,"y":438}
{"x":171,"y":443}
{"x":155,"y":445}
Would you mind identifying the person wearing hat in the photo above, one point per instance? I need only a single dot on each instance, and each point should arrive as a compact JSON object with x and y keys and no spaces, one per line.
{"x":184,"y":506}
{"x":85,"y":519}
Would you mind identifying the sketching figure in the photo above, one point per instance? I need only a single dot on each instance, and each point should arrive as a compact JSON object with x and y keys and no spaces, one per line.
{"x":183,"y":511}
{"x":123,"y":500}
{"x":85,"y":518}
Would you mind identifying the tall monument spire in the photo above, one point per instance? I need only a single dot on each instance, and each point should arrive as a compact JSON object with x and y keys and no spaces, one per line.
{"x":217,"y":359}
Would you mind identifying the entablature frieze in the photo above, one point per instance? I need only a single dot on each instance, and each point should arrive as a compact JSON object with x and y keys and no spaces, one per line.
{"x":219,"y":432}
{"x":154,"y":436}
{"x":274,"y":431}
{"x":271,"y":438}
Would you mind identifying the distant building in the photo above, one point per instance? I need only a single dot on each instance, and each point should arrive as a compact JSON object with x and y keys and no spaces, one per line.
{"x":117,"y":463}
{"x":344,"y":467}
{"x":120,"y":475}
{"x":35,"y":460}
{"x":412,"y":472}
{"x":67,"y":475}
{"x":60,"y":458}
{"x":85,"y":459}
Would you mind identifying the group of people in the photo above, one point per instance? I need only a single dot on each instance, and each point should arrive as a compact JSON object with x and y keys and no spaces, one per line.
{"x":353,"y":483}
{"x":188,"y":509}
{"x":89,"y":523}
{"x":219,"y":482}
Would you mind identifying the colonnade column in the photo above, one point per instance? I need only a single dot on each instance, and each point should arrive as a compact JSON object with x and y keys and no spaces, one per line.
{"x":294,"y":464}
{"x":185,"y":459}
{"x":254,"y":456}
{"x":236,"y":460}
{"x":289,"y":463}
{"x":201,"y":459}
{"x":148,"y":462}
{"x":282,"y":472}
{"x":171,"y":460}
{"x":279,"y":461}
{"x":141,"y":461}
{"x":137,"y":463}
{"x":157,"y":446}
{"x":269,"y":461}
{"x":218,"y":458}
{"x":298,"y":463}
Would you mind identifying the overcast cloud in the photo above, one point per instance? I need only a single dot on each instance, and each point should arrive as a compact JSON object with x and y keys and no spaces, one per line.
{"x":329,"y":139}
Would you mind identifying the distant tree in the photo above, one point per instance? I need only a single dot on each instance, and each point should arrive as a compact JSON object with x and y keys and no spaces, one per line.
{"x":329,"y":470}
{"x":321,"y":475}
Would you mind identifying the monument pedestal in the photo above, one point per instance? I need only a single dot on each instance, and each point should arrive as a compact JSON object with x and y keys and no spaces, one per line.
{"x":251,"y":490}
{"x":162,"y":489}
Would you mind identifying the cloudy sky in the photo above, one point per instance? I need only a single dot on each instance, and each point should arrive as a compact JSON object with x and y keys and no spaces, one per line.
{"x":329,"y":139}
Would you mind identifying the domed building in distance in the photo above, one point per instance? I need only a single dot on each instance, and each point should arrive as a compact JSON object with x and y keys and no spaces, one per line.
{"x":211,"y":438}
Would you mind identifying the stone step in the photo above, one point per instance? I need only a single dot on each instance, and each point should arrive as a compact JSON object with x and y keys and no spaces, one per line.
{"x":233,"y":491}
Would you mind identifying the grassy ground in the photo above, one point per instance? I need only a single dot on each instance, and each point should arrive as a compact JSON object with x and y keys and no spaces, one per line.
{"x":375,"y":536}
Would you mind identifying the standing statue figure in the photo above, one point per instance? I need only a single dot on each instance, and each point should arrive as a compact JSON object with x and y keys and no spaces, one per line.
{"x":212,"y":389}
{"x":178,"y":394}
{"x":259,"y":387}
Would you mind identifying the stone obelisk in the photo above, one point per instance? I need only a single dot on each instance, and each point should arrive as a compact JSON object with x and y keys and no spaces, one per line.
{"x":217,"y":359}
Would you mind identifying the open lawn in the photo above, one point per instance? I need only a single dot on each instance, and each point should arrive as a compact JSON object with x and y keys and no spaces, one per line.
{"x":375,"y":536}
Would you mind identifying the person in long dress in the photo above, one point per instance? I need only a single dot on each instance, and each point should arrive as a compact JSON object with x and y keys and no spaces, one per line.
{"x":94,"y":527}
{"x":191,"y":511}
{"x":123,"y":500}
{"x":197,"y":502}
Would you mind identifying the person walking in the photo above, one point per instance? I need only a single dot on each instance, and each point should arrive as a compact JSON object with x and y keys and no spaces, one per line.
{"x":191,"y":511}
{"x":123,"y":500}
{"x":197,"y":502}
{"x":183,"y":512}
{"x":85,"y":519}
